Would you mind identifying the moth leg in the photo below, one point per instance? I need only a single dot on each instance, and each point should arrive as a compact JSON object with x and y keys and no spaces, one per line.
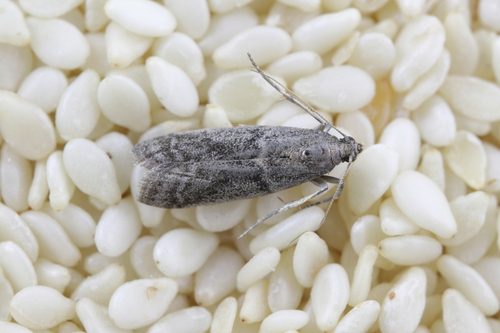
{"x":323,"y":187}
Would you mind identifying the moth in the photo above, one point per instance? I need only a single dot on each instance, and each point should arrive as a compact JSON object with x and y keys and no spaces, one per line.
{"x":217,"y":165}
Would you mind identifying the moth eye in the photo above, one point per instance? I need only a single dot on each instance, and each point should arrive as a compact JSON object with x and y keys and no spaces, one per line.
{"x":312,"y":152}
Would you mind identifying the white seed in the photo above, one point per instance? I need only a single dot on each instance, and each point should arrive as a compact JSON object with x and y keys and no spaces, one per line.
{"x":264,"y":43}
{"x":52,"y":275}
{"x":365,"y":231}
{"x":58,"y":43}
{"x":243,"y":94}
{"x":15,"y":179}
{"x":472,"y":97}
{"x":78,"y":112}
{"x":392,"y":220}
{"x":295,"y":65}
{"x":95,"y":17}
{"x":119,"y":148}
{"x":195,"y":319}
{"x":150,"y":216}
{"x":140,"y":303}
{"x":404,"y":304}
{"x":418,"y":47}
{"x":193,"y":17}
{"x":326,"y":31}
{"x":495,"y":58}
{"x":284,"y":233}
{"x":284,"y":291}
{"x":13,"y":228}
{"x":55,"y":244}
{"x":258,"y":267}
{"x":337,"y":89}
{"x":278,"y":114}
{"x":173,"y":87}
{"x":432,"y":165}
{"x":284,"y":321}
{"x":477,"y":127}
{"x":124,"y":47}
{"x":98,"y":59}
{"x":422,"y":201}
{"x":60,"y":185}
{"x":39,"y":188}
{"x":363,"y":275}
{"x":16,"y":266}
{"x":457,"y":309}
{"x":13,"y":29}
{"x":461,"y":44}
{"x":435,"y":122}
{"x":75,"y":17}
{"x":411,"y":8}
{"x":17,"y":62}
{"x":369,"y":6}
{"x":254,"y":307}
{"x":41,"y":307}
{"x":358,"y":125}
{"x":310,"y":255}
{"x":375,"y":53}
{"x":215,"y":117}
{"x":469,"y":282}
{"x":455,"y":186}
{"x":44,"y":87}
{"x":216,"y":279}
{"x":485,"y":40}
{"x":470,"y":215}
{"x":141,"y":258}
{"x":475,"y":248}
{"x":362,"y":189}
{"x":100,"y":286}
{"x":402,"y":136}
{"x":489,"y":268}
{"x":360,"y":318}
{"x":345,"y":50}
{"x":429,"y":83}
{"x":304,"y":5}
{"x":223,"y":216}
{"x":91,"y":170}
{"x":124,"y":102}
{"x":467,"y":159}
{"x":329,"y":295}
{"x":95,"y":319}
{"x":410,"y":250}
{"x":174,"y":252}
{"x":145,"y":18}
{"x":182,"y":51}
{"x":224,"y":316}
{"x":223,"y":27}
{"x":48,"y":9}
{"x":118,"y":228}
{"x":488,"y":14}
{"x":25,"y":127}
{"x":6,"y":326}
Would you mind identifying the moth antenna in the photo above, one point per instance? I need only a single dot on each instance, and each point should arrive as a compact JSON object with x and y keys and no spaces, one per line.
{"x":292,"y":97}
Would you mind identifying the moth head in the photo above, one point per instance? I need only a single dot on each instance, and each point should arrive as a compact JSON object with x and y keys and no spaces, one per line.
{"x":350,"y":149}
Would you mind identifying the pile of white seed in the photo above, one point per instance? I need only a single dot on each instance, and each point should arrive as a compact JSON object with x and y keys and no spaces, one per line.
{"x":412,"y":244}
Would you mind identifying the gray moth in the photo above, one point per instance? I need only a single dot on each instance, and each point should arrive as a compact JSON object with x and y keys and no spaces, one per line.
{"x":217,"y":165}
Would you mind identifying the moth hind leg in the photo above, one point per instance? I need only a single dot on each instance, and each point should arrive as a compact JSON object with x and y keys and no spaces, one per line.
{"x":323,"y":187}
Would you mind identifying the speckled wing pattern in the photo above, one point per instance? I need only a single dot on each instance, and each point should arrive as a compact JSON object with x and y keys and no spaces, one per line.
{"x":216,"y":165}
